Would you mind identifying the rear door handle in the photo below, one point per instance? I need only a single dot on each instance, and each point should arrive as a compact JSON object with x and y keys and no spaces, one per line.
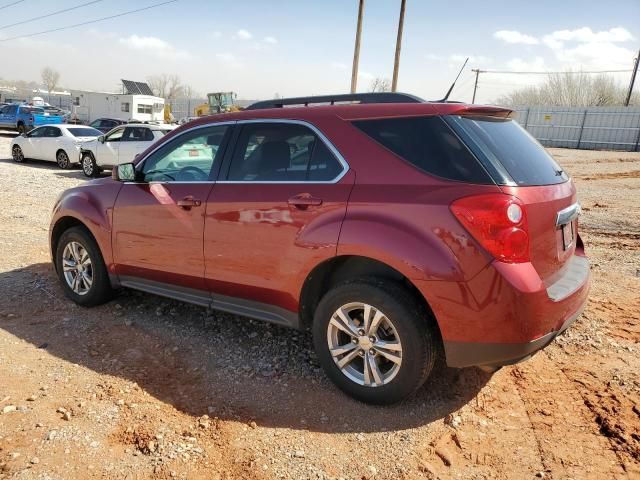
{"x":188,"y":202}
{"x":304,"y":201}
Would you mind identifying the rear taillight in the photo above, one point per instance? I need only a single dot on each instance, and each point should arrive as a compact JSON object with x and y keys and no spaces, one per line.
{"x":498,"y":222}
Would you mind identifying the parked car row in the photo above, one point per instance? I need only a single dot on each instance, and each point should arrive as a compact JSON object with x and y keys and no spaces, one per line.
{"x":68,"y":144}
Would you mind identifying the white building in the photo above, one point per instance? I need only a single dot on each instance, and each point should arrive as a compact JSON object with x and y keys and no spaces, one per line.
{"x":89,"y":106}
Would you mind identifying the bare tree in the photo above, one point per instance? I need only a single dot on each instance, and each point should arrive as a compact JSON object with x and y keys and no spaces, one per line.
{"x":50,"y":78}
{"x":570,"y":90}
{"x":380,"y":84}
{"x":166,"y":86}
{"x":188,"y":91}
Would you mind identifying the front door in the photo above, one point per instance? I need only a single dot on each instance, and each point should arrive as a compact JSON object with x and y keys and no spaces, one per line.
{"x":158,"y":221}
{"x":107,"y":152}
{"x":276,"y":215}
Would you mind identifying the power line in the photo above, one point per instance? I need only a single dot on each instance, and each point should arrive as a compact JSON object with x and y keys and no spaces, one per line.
{"x":570,"y":72}
{"x":49,"y":14}
{"x":11,"y":4}
{"x":88,"y":22}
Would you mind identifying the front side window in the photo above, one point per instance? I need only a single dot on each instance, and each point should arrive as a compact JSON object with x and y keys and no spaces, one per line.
{"x":37,"y":132}
{"x":115,"y":136}
{"x":191,"y":157}
{"x":142,"y":108}
{"x":281,"y":152}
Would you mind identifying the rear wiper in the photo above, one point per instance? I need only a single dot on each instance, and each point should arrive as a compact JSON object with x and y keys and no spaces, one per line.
{"x":559,"y":172}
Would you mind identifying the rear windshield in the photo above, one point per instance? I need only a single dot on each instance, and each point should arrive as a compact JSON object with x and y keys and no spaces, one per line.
{"x":84,"y":132}
{"x":36,"y":110}
{"x":504,"y":146}
{"x":429,"y":144}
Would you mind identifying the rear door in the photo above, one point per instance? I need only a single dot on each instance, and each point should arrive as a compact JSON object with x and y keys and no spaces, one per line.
{"x":158,"y":222}
{"x":276,"y":214}
{"x":49,"y":144}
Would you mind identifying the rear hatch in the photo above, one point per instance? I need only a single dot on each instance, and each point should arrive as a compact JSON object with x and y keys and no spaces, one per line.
{"x":523,"y":168}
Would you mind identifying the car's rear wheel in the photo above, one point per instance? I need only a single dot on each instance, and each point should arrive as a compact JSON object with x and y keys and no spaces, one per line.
{"x":89,"y":166}
{"x":81,"y":268}
{"x":62,"y":159}
{"x":374,"y":340}
{"x":17,"y":154}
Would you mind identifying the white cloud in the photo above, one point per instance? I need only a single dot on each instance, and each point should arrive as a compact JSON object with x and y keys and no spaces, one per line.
{"x":271,"y":40}
{"x":434,"y":57}
{"x":586,"y":49}
{"x":244,"y":34}
{"x":155,"y":46}
{"x":339,"y":66}
{"x":513,"y":36}
{"x":216,"y":34}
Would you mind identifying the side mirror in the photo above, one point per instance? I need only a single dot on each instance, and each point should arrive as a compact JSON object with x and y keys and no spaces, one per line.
{"x":101,"y":138}
{"x":125,"y":172}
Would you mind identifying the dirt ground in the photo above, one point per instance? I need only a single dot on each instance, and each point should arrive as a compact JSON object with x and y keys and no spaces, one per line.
{"x":145,"y":387}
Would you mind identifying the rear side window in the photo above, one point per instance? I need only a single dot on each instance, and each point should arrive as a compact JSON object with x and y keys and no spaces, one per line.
{"x":428,"y":144}
{"x":508,"y":147}
{"x":282,"y":152}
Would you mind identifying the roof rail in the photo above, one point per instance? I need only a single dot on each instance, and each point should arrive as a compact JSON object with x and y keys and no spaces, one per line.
{"x":383,"y":97}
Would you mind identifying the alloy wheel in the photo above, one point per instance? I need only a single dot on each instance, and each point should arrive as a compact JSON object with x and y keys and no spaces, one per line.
{"x":17,"y":154}
{"x":87,"y":165}
{"x":77,"y":268}
{"x":63,"y":160}
{"x":364,"y":344}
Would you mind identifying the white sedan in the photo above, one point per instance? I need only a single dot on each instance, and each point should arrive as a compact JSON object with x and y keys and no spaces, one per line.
{"x":58,"y":143}
{"x":120,"y":145}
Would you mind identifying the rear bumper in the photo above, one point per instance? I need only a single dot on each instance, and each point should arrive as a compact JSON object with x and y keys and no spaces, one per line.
{"x":466,"y":354}
{"x":506,"y":313}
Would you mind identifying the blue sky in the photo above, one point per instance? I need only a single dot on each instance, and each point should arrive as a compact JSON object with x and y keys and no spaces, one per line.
{"x":258,"y":48}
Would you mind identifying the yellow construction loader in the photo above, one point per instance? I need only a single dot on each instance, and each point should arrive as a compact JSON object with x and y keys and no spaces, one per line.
{"x":218,"y":102}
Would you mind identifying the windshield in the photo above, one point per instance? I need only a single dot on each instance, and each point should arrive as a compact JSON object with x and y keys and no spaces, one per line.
{"x":84,"y":132}
{"x":502,"y":144}
{"x":36,"y":110}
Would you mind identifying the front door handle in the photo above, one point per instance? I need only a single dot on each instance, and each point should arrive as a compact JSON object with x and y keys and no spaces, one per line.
{"x":188,"y":202}
{"x":303,"y":201}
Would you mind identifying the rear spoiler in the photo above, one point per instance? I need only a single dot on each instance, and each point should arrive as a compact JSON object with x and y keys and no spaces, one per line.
{"x":485,"y":111}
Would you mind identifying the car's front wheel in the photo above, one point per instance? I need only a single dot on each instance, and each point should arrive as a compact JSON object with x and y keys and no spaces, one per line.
{"x":17,"y":154}
{"x":81,"y":268}
{"x":89,"y":166}
{"x":374,"y":340}
{"x":62,"y":159}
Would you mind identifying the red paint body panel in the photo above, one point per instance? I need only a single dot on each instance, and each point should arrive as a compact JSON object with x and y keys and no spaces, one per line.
{"x":258,"y":247}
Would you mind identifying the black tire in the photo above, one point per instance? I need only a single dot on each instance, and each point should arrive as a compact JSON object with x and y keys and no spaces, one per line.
{"x":100,"y":290}
{"x":411,"y":322}
{"x":89,"y":166}
{"x":63,"y":160}
{"x":17,"y":154}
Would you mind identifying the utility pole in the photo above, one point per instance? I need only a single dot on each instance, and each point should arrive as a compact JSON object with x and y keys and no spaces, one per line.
{"x":475,"y":86}
{"x":356,"y":50}
{"x":396,"y":63}
{"x":633,"y":79}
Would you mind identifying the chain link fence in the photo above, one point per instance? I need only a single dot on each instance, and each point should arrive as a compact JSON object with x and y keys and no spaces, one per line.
{"x":592,"y":128}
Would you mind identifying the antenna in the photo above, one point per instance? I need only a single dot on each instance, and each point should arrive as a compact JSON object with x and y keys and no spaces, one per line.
{"x":446,"y":97}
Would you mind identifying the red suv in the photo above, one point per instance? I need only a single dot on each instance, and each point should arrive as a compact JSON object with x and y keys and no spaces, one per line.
{"x":395,"y":229}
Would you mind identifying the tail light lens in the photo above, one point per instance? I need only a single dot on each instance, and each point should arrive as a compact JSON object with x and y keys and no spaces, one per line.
{"x":498,"y":222}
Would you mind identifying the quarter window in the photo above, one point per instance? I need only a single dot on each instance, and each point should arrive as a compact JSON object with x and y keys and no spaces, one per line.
{"x":273,"y":152}
{"x":189,"y":158}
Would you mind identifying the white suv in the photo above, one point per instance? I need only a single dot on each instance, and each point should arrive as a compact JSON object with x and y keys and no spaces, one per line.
{"x":120,"y":145}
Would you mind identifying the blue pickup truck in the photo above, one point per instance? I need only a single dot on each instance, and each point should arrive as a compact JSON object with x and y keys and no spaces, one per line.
{"x":25,"y":117}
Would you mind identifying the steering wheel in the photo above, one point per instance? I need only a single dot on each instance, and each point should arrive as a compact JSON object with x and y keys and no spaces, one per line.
{"x":195,"y":173}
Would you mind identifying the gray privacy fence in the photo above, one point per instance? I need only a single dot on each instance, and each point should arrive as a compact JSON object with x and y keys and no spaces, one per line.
{"x":593,"y":128}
